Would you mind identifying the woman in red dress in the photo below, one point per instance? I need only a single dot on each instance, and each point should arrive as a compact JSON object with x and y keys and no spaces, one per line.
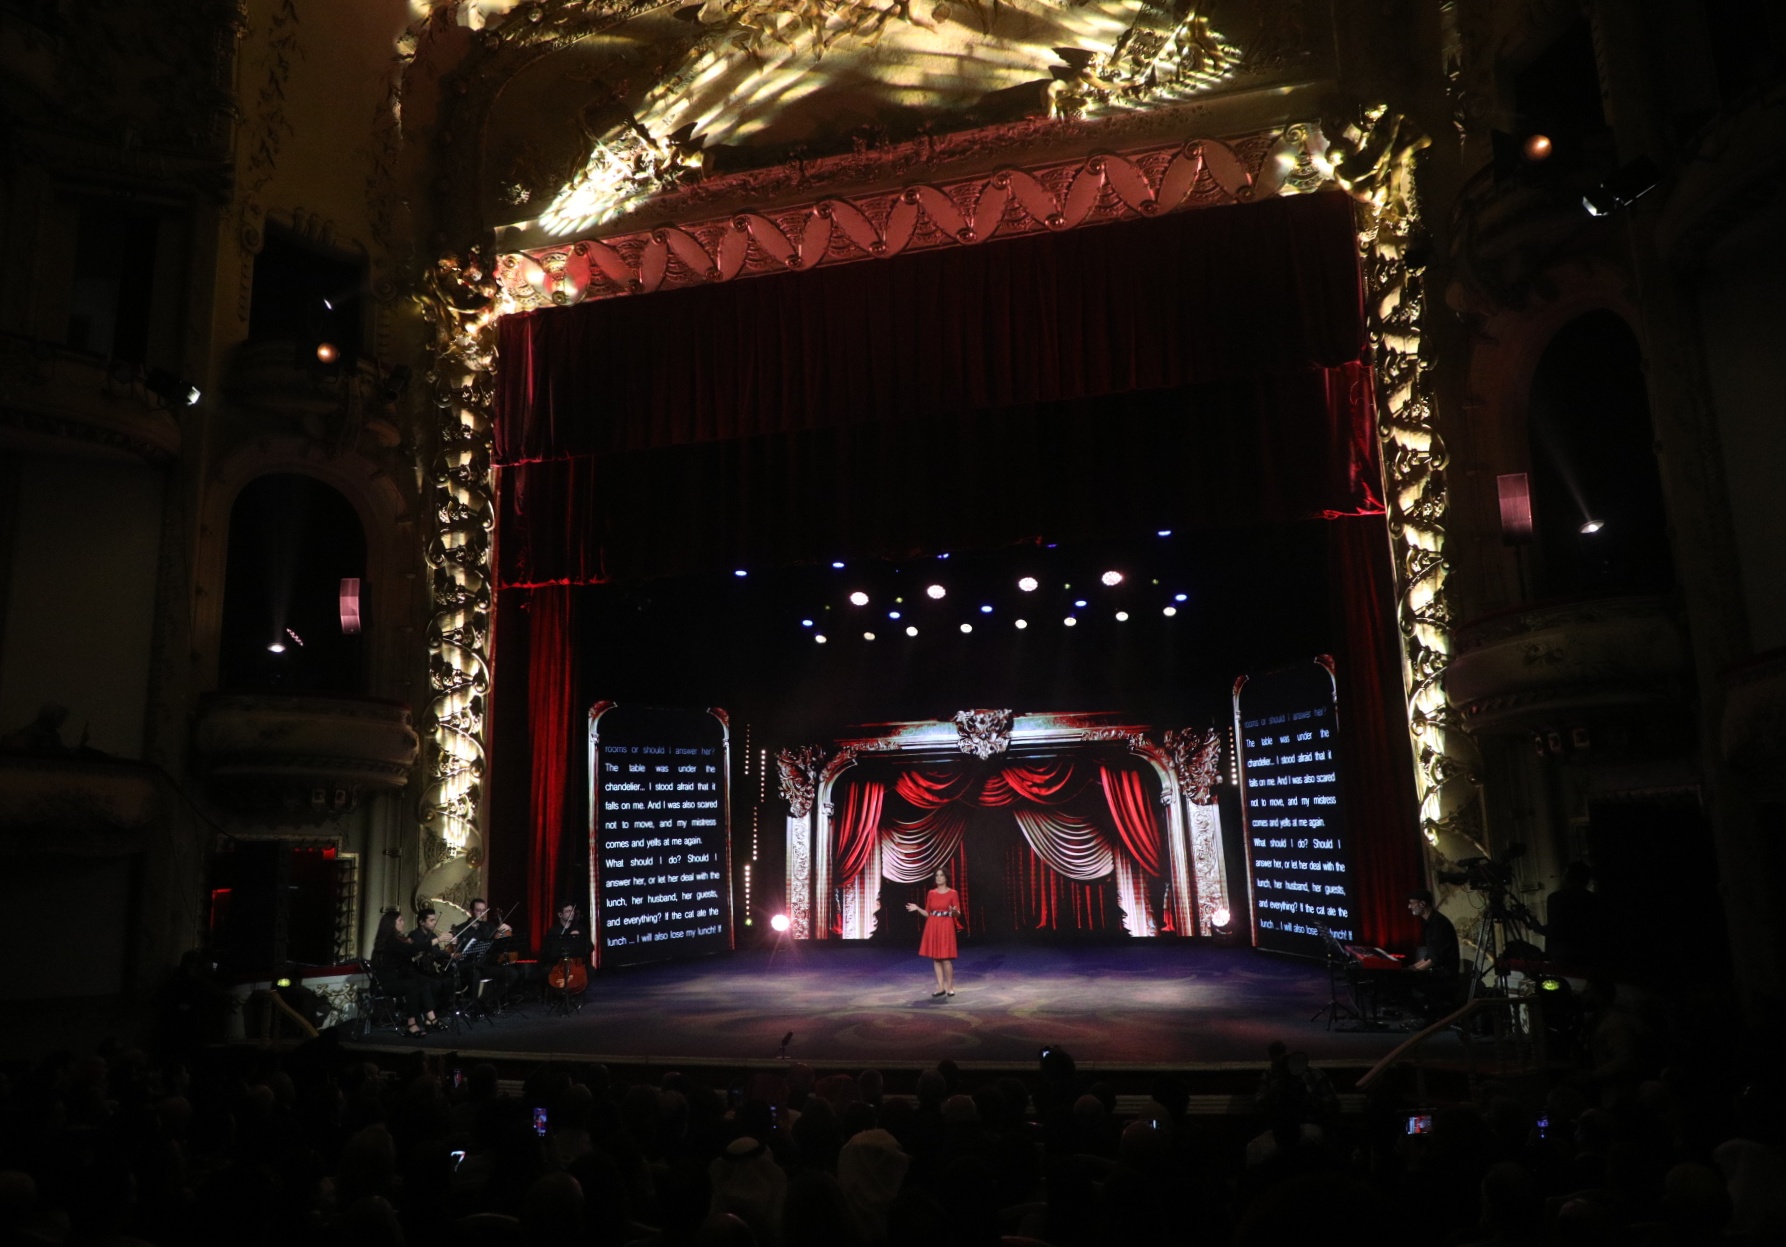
{"x":940,"y":909}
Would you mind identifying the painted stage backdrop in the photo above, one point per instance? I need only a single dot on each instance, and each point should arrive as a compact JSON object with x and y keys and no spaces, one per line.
{"x":1070,"y":823}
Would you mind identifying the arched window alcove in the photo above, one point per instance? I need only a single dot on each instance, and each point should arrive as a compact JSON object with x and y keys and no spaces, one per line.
{"x":1601,"y":526}
{"x":294,"y":590}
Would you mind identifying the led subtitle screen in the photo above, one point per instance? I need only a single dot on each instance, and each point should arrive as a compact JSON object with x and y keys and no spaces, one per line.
{"x":1299,"y":872}
{"x":660,"y":844}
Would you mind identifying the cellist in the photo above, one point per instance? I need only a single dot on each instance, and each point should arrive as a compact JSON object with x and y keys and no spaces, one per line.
{"x":566,"y":941}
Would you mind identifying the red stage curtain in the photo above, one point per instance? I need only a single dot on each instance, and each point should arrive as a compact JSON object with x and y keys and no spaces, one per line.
{"x":1049,"y":782}
{"x":859,"y":827}
{"x":1071,"y":846}
{"x":913,"y":850}
{"x":551,"y":688}
{"x":927,"y":789}
{"x":1134,"y":816}
{"x":1202,"y":368}
{"x":1376,"y":767}
{"x":1211,"y":295}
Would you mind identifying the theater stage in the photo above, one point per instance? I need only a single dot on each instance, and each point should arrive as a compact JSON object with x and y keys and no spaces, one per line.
{"x":1156,"y":1005}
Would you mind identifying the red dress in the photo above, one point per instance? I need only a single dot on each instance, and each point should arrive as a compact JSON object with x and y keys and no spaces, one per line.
{"x":939,"y":928}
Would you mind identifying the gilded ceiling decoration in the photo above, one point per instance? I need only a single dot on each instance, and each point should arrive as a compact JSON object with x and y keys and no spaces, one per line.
{"x":678,"y":92}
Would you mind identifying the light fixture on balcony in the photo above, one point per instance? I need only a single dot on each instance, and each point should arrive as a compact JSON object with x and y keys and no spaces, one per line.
{"x":327,"y":353}
{"x":1537,"y":147}
{"x":1590,"y":527}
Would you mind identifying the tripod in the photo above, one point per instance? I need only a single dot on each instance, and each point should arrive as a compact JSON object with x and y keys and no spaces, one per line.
{"x":1336,"y":1010}
{"x":1502,"y":923}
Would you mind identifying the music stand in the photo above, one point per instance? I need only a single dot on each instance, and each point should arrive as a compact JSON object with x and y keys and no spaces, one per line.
{"x":1335,"y":1009}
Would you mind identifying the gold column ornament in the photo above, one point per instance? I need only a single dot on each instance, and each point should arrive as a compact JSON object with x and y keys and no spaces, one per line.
{"x":459,"y":303}
{"x":1375,"y":159}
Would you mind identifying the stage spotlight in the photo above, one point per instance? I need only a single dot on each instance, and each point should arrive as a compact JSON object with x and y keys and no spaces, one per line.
{"x":326,"y":353}
{"x":1111,"y":578}
{"x":169,"y":388}
{"x":911,"y":631}
{"x":868,"y":636}
{"x":967,"y":627}
{"x":1221,"y":918}
{"x":1080,"y":604}
{"x":892,"y":614}
{"x":985,"y":610}
{"x":819,"y":637}
{"x":779,"y":922}
{"x":1122,"y":616}
{"x":740,"y":572}
{"x":1070,"y":622}
{"x":936,"y":592}
{"x":837,"y":565}
{"x":1180,"y":597}
{"x":1538,"y":148}
{"x":283,"y":980}
{"x":1028,"y":584}
{"x":1592,"y":526}
{"x":1164,"y":532}
{"x":942,"y":556}
{"x":858,"y":598}
{"x":806,"y":623}
{"x":1023,"y":623}
{"x":1170,"y":611}
{"x":277,"y":647}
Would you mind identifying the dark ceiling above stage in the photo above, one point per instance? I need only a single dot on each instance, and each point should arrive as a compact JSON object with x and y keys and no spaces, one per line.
{"x":1252,"y":599}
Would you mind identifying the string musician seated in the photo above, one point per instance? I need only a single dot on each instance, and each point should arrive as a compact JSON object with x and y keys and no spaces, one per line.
{"x":434,"y":948}
{"x":564,"y":953}
{"x":479,"y":957}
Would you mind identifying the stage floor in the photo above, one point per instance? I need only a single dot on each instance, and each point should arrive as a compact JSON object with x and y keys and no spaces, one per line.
{"x":1163,"y":1005}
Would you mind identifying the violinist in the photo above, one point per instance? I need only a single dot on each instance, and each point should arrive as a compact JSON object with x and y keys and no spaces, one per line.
{"x":393,"y":961}
{"x":434,"y":947}
{"x":476,"y":936}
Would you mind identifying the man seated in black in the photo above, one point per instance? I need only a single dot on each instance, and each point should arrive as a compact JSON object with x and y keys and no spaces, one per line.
{"x":1437,"y":990}
{"x":565,"y":946}
{"x":476,"y":939}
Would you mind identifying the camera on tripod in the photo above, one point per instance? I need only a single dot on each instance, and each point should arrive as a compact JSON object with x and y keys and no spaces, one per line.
{"x":1495,"y":877}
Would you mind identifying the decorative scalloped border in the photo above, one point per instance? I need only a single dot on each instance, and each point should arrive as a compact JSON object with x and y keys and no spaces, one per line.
{"x":963,"y":212}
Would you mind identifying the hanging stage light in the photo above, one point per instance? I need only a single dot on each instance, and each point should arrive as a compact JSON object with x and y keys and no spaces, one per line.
{"x":1028,"y":584}
{"x":936,"y":592}
{"x":1023,"y":623}
{"x":1122,"y":616}
{"x":858,"y":598}
{"x":1111,"y":578}
{"x":967,"y":627}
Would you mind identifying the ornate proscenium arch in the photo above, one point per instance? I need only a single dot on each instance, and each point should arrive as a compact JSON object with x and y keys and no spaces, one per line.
{"x":1372,"y":158}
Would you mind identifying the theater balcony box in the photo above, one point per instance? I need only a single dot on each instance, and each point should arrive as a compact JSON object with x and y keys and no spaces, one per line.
{"x":83,"y":837}
{"x":319,"y":752}
{"x":1753,"y":729}
{"x":1541,"y":667}
{"x":56,"y":396}
{"x":283,"y":378}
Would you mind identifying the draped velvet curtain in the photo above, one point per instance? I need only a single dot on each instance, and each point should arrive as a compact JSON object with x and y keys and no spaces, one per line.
{"x":1201,"y":368}
{"x":1066,"y":847}
{"x":551,"y":690}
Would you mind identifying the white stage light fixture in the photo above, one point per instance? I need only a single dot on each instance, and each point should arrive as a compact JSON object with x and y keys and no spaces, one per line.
{"x":1080,"y":604}
{"x":1170,"y":611}
{"x":276,"y":648}
{"x":740,"y":572}
{"x":806,"y":623}
{"x":1071,"y":622}
{"x":868,"y":636}
{"x":1592,"y":526}
{"x":985,"y":610}
{"x":1111,"y":578}
{"x":911,"y":631}
{"x":1221,"y":918}
{"x":892,"y":614}
{"x":966,"y":627}
{"x":858,"y":598}
{"x":819,"y":637}
{"x":1028,"y":584}
{"x":1023,"y":623}
{"x":1164,"y":532}
{"x":936,"y":591}
{"x":1180,"y":597}
{"x":1122,"y":616}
